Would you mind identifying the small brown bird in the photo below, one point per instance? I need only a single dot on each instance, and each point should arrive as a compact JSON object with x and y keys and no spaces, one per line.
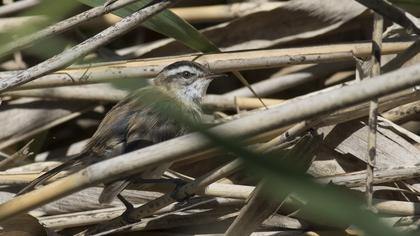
{"x":138,"y":121}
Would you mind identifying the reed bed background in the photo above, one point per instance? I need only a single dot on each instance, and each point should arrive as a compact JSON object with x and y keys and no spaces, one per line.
{"x":314,"y":132}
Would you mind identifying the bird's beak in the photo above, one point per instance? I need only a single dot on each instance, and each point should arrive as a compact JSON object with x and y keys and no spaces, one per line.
{"x":216,"y":76}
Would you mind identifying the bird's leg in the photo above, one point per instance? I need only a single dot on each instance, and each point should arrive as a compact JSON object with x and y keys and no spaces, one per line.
{"x":126,"y":203}
{"x":180,"y":194}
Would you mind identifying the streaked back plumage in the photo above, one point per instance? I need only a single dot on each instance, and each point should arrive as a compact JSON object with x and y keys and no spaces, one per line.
{"x":141,"y":119}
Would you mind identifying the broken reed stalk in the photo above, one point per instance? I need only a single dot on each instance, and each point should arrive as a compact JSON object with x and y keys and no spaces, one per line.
{"x":194,"y":143}
{"x":72,"y":54}
{"x":378,"y":24}
{"x":60,"y":27}
{"x":218,"y":62}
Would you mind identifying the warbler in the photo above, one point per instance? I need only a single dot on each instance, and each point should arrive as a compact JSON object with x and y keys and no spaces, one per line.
{"x":140,"y":120}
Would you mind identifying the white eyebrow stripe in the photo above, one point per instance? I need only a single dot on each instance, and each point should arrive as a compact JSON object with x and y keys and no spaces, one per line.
{"x":181,"y":69}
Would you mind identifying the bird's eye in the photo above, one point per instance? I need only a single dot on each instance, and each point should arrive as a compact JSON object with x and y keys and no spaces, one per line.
{"x":186,"y":74}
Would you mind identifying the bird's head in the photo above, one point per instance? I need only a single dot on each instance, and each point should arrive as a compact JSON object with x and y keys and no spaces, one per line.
{"x":186,"y":80}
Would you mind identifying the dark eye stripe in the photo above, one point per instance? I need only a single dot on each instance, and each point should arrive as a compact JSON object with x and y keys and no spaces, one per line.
{"x":187,"y":74}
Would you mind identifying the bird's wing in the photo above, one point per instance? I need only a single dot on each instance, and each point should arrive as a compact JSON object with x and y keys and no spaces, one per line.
{"x":145,"y":128}
{"x":131,"y":124}
{"x":107,"y":141}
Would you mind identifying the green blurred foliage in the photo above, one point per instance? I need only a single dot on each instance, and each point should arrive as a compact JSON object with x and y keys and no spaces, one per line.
{"x":53,"y":10}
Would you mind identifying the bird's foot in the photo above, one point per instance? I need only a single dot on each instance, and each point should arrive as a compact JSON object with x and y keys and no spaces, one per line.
{"x":128,"y":210}
{"x":181,"y":193}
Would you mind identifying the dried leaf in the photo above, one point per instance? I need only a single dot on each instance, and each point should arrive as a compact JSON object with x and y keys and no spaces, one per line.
{"x":392,"y":149}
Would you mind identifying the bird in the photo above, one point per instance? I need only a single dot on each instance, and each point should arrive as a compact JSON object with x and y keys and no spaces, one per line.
{"x":138,"y":121}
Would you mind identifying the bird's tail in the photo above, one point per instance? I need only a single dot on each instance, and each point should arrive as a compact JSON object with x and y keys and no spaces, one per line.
{"x":74,"y":161}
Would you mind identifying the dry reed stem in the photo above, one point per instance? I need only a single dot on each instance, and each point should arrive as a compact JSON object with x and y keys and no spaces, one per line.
{"x":193,"y":144}
{"x":11,"y":23}
{"x":213,"y":13}
{"x":214,"y":102}
{"x":401,"y":208}
{"x":378,"y":25}
{"x":281,"y":82}
{"x":218,"y":62}
{"x":358,"y":179}
{"x":17,"y":179}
